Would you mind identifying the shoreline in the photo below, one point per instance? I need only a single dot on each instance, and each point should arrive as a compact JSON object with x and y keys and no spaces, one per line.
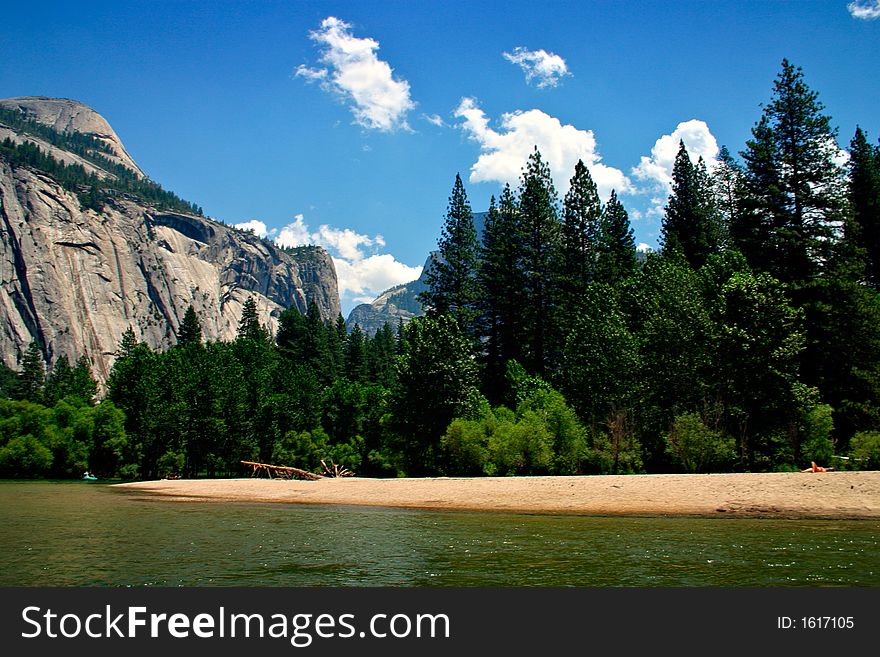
{"x":783,"y":495}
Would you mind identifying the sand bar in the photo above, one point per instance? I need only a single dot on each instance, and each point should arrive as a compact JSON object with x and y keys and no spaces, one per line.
{"x":854,"y":495}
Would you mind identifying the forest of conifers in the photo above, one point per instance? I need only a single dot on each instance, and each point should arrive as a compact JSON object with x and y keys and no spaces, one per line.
{"x":749,"y":341}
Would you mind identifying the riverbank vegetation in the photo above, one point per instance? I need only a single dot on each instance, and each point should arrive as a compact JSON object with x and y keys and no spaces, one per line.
{"x":749,"y":341}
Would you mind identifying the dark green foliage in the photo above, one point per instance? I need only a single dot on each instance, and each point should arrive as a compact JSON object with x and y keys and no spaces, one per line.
{"x":452,"y":275}
{"x":758,"y":343}
{"x":794,"y":188}
{"x":728,"y":188}
{"x":690,"y":226}
{"x":601,"y":359}
{"x":675,"y":331}
{"x":540,"y":229}
{"x":249,"y":326}
{"x":66,"y":381}
{"x":382,"y":358}
{"x":437,"y":382}
{"x":579,"y":244}
{"x":8,"y":382}
{"x":863,"y":230}
{"x":32,"y":375}
{"x":502,"y":288}
{"x":616,"y":259}
{"x":356,"y":361}
{"x":190,"y":330}
{"x":842,"y":355}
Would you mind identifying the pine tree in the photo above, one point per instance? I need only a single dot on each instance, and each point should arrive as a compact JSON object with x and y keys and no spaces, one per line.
{"x":249,"y":326}
{"x":728,"y":187}
{"x":32,"y":376}
{"x":863,"y":231}
{"x":690,"y":226}
{"x":291,"y":335}
{"x":127,"y":343}
{"x":451,"y":276}
{"x":617,"y":247}
{"x":540,"y":229}
{"x":581,"y":218}
{"x":795,"y":194}
{"x":382,"y":357}
{"x":356,"y":366}
{"x":317,"y":352}
{"x":82,"y":382}
{"x":190,"y":330}
{"x":502,"y":285}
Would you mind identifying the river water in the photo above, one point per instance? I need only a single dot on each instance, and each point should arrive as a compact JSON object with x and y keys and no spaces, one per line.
{"x":85,"y":534}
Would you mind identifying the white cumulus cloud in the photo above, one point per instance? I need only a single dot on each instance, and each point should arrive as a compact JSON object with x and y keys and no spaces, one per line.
{"x":544,"y":68}
{"x":656,"y":169}
{"x":352,"y":71}
{"x":368,"y":277}
{"x":362,"y":273}
{"x":504,"y":152}
{"x":865,"y":9}
{"x":255,"y":226}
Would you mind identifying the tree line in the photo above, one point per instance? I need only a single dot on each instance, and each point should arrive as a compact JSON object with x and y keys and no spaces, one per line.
{"x":749,"y":341}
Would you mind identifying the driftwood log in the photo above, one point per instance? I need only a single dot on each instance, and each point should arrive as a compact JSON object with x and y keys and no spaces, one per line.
{"x":280,"y":471}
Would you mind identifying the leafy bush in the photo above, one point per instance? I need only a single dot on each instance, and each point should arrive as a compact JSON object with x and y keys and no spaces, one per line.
{"x":865,"y":451}
{"x":696,"y":447}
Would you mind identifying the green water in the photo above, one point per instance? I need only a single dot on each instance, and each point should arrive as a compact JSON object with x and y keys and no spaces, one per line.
{"x":78,"y":534}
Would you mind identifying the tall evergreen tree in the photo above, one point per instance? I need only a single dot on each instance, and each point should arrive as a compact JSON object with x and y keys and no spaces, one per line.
{"x":795,"y":185}
{"x":581,"y":217}
{"x":381,"y":356}
{"x":690,"y":225}
{"x":502,"y":285}
{"x":190,"y":330}
{"x":540,"y":229}
{"x":249,"y":325}
{"x":617,"y":246}
{"x":728,"y":183}
{"x":356,"y":364}
{"x":32,"y":375}
{"x":451,"y":276}
{"x":82,"y":382}
{"x":864,"y":194}
{"x":58,"y":381}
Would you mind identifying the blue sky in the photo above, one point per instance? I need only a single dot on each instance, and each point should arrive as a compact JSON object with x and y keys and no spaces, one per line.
{"x":344,"y":123}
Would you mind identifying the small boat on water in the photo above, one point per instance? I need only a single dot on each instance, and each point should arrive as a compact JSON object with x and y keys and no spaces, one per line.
{"x":88,"y":476}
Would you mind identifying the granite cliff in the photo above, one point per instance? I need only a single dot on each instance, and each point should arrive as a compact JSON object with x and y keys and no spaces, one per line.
{"x":75,"y":275}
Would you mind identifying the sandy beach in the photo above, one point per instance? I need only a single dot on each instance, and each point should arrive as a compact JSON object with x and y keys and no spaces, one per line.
{"x":852,"y":495}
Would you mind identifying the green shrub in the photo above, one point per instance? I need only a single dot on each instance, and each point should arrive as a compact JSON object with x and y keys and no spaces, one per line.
{"x":697,"y":448}
{"x":865,"y":451}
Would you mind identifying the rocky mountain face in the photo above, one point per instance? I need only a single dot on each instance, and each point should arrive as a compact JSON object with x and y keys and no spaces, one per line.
{"x":75,"y":278}
{"x":394,"y":306}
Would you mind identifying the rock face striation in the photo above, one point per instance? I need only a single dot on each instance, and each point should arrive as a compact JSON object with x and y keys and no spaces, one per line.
{"x":75,"y":278}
